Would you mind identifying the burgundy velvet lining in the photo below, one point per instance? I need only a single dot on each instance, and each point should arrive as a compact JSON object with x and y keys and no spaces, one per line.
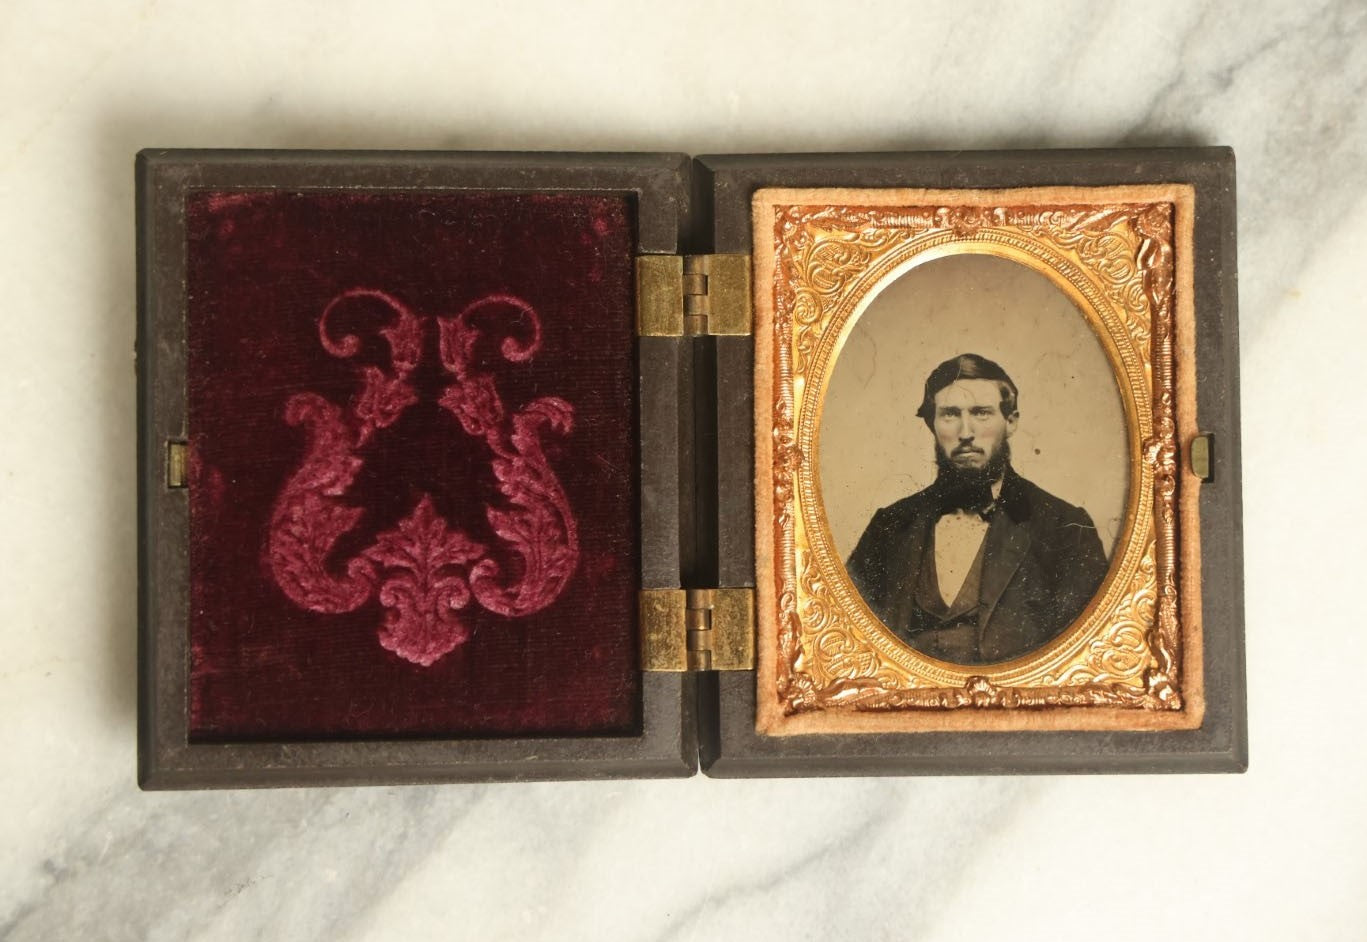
{"x":262,"y":269}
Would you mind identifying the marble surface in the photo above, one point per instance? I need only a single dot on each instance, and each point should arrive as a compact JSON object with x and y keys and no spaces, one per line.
{"x":1276,"y":853}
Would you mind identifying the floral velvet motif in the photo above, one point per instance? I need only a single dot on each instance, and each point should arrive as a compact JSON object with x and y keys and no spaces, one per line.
{"x":412,"y":475}
{"x":422,"y":571}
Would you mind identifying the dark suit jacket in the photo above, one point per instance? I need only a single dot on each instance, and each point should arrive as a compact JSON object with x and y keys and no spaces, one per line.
{"x":1042,"y":564}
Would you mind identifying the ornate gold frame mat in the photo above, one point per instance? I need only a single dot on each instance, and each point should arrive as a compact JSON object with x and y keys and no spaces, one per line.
{"x":1132,"y":660}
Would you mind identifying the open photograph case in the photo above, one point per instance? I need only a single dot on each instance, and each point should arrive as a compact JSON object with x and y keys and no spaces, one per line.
{"x":460,"y":467}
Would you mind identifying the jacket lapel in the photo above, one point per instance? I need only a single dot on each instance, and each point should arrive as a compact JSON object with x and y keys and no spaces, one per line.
{"x":1007,"y":543}
{"x":905,"y":566}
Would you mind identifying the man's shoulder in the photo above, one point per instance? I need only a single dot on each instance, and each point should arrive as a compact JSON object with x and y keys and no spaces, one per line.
{"x":887,"y":529}
{"x":1033,"y":501}
{"x":1046,"y":506}
{"x":908,"y":507}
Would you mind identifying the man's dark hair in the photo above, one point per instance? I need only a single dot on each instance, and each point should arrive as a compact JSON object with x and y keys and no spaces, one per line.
{"x":966,"y":366}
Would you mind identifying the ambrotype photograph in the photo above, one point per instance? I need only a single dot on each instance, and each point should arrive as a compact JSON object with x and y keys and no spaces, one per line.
{"x":979,"y":526}
{"x":968,"y":409}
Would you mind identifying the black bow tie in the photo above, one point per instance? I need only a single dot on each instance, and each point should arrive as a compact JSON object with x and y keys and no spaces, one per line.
{"x":976,"y":499}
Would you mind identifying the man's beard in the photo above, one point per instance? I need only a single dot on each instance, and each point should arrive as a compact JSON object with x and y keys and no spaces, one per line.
{"x":960,"y":479}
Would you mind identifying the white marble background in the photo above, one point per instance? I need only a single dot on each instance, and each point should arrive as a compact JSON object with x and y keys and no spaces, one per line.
{"x":1275,"y":854}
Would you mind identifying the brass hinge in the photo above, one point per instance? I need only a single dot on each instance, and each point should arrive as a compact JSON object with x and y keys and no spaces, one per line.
{"x":693,"y":295}
{"x":697,"y":629}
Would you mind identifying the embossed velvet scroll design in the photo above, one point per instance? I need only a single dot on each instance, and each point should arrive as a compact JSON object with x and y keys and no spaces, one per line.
{"x":422,"y":571}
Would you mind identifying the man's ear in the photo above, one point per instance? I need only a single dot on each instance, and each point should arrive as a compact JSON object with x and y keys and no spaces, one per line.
{"x":1011,"y":421}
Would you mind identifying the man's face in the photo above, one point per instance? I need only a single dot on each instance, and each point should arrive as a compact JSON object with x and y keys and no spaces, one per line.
{"x":969,"y":426}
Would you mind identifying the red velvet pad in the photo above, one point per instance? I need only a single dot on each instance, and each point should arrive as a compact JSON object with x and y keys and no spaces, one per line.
{"x":412,"y":487}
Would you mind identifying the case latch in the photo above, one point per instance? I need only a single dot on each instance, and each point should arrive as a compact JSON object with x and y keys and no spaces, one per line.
{"x":177,"y":464}
{"x":697,"y":629}
{"x":693,"y":295}
{"x":1202,"y":457}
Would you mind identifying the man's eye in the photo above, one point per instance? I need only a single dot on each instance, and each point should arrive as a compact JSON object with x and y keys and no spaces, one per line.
{"x":982,"y":413}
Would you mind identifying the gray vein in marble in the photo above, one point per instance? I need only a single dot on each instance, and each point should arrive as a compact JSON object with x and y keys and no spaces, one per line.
{"x":540,"y":834}
{"x":857,"y":835}
{"x":1290,"y":174}
{"x":907,"y":868}
{"x":235,"y":864}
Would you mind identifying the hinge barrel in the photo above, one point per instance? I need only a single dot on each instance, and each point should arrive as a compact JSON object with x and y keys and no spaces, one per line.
{"x":693,"y":295}
{"x":697,"y":629}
